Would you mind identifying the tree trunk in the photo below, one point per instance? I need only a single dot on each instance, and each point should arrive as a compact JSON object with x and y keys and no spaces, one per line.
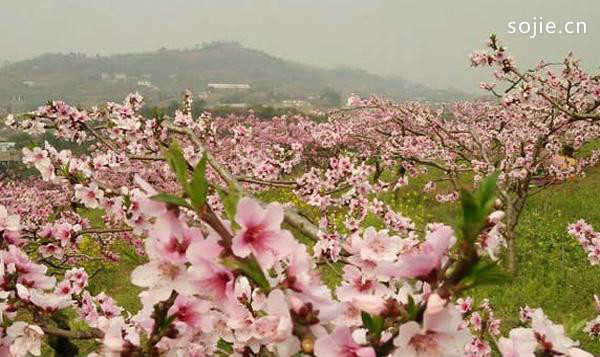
{"x":513,"y":211}
{"x":512,"y":253}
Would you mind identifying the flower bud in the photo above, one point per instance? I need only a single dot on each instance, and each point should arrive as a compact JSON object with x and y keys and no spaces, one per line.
{"x":308,"y":345}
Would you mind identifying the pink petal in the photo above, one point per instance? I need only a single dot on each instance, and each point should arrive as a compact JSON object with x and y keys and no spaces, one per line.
{"x":273,"y":216}
{"x":207,"y":250}
{"x":249,"y":213}
{"x":144,"y":275}
{"x":405,"y":333}
{"x":440,"y":239}
{"x":239,"y":247}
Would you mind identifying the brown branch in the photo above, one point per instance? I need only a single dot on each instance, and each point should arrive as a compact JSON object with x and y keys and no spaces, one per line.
{"x":103,"y":231}
{"x":282,"y":184}
{"x":74,"y":335}
{"x":146,"y":158}
{"x":99,"y":137}
{"x":159,"y":331}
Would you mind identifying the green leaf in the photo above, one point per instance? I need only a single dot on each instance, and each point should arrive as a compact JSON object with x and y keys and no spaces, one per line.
{"x":178,"y":164}
{"x":253,"y":270}
{"x":225,"y":346}
{"x":477,"y":206}
{"x":486,"y":193}
{"x":372,"y":323}
{"x":171,"y":199}
{"x":230,"y":200}
{"x":231,"y":263}
{"x":472,"y":222}
{"x":250,"y":268}
{"x":199,"y":184}
{"x":486,"y":273}
{"x":127,"y":201}
{"x":367,"y":321}
{"x":412,"y":308}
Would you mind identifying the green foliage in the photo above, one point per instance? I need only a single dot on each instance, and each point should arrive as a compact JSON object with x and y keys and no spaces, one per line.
{"x":470,"y":270}
{"x":178,"y":164}
{"x":331,"y":98}
{"x":230,"y":200}
{"x":412,"y":308}
{"x":196,"y":188}
{"x":171,"y":199}
{"x":554,"y":273}
{"x":476,"y":207}
{"x":250,"y":267}
{"x":198,"y":184}
{"x":373,"y":323}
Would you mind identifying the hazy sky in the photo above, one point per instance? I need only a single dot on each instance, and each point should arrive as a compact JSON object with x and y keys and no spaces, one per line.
{"x":426,"y":41}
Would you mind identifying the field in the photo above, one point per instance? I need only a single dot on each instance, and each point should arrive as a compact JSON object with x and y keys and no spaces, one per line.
{"x":553,"y":270}
{"x":553,"y":274}
{"x":208,"y":240}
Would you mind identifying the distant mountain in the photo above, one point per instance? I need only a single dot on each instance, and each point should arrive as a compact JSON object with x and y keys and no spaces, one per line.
{"x":162,"y":75}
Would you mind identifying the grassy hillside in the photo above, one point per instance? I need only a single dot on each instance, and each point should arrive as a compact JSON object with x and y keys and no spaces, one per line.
{"x":554,"y":272}
{"x":165,"y":73}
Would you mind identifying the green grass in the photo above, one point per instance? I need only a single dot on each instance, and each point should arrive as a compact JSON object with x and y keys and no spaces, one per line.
{"x":553,"y":271}
{"x":113,"y":279}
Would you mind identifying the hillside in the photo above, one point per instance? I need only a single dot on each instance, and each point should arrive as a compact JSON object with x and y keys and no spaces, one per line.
{"x":162,"y":75}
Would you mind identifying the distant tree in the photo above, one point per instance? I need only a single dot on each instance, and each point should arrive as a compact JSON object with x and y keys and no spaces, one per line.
{"x":331,"y":97}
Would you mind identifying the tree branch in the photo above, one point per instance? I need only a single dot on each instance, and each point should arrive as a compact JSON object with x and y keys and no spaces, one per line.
{"x":291,"y":216}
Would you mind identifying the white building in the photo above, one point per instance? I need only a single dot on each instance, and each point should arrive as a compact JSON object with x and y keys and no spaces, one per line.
{"x":214,"y":86}
{"x":233,"y":105}
{"x":6,"y":146}
{"x":294,"y":103}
